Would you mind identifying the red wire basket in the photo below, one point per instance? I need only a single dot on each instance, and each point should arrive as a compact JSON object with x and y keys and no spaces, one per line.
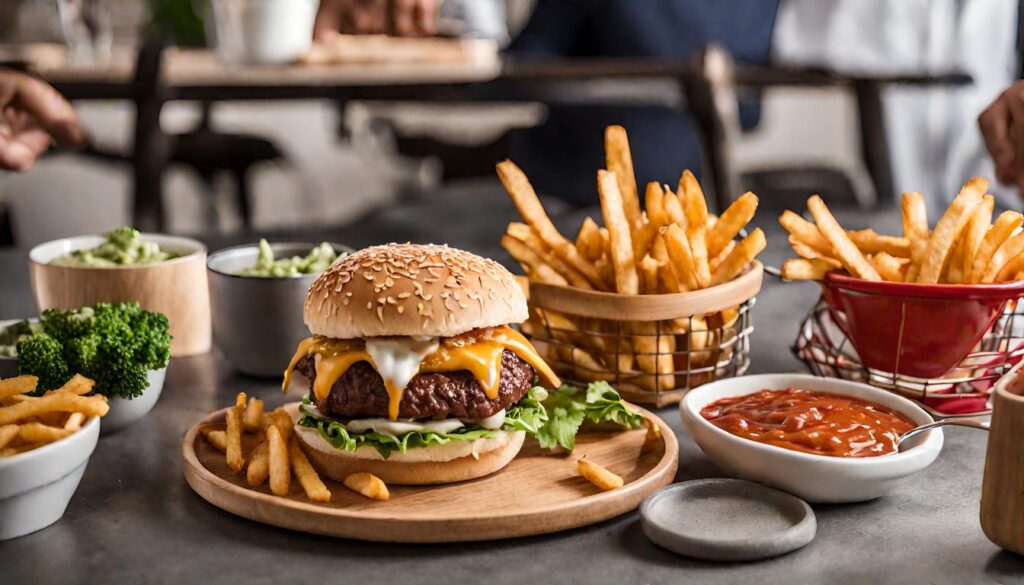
{"x":916,"y":330}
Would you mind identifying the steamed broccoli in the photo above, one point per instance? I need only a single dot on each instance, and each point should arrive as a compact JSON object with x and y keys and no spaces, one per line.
{"x":115,"y":345}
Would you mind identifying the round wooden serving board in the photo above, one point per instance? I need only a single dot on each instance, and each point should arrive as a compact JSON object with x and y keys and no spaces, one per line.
{"x":537,"y":493}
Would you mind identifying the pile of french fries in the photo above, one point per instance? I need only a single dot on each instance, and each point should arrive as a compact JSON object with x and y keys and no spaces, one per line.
{"x":965,"y":247}
{"x":29,"y":422}
{"x":672,"y":245}
{"x":277,"y":454}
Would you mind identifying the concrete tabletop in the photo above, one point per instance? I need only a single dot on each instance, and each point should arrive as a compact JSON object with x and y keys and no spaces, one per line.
{"x":135,"y":520}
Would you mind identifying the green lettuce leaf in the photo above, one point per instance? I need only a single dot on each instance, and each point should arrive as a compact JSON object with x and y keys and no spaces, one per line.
{"x":553,"y":418}
{"x":340,"y":438}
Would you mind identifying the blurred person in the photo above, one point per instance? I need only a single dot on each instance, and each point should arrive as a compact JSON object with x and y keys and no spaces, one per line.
{"x":934,"y":146}
{"x":1002,"y":128}
{"x":32,"y":115}
{"x":398,"y":17}
{"x":562,"y":155}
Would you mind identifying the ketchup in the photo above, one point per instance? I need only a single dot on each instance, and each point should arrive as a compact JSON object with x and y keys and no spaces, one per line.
{"x":811,"y":422}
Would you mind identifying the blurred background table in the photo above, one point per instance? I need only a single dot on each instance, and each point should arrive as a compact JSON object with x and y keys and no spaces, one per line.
{"x":135,"y":520}
{"x":704,"y":88}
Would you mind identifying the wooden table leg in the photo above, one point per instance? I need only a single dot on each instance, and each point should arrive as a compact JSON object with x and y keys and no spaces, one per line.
{"x":151,"y":146}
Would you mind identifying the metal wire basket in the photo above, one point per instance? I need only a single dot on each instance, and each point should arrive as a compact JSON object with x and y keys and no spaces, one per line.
{"x":963,"y":391}
{"x":653,"y":348}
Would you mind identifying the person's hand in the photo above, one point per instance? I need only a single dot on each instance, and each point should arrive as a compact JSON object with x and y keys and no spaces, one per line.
{"x":32,"y":114}
{"x":1002,"y":127}
{"x":398,"y":17}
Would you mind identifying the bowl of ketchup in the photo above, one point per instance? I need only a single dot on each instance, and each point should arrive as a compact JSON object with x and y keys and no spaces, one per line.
{"x":823,"y":439}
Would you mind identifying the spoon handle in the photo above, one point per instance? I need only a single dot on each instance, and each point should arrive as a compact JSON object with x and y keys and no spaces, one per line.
{"x":960,"y":422}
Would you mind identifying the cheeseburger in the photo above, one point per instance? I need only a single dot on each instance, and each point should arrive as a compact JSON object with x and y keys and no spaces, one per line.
{"x":415,"y":375}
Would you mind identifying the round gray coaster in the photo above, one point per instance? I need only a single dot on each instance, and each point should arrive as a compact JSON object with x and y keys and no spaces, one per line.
{"x":727,"y":520}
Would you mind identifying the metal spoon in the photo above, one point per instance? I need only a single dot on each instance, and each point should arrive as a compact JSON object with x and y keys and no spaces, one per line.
{"x":960,"y":422}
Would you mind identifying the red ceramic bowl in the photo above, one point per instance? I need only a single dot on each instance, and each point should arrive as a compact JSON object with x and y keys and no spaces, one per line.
{"x":919,"y":330}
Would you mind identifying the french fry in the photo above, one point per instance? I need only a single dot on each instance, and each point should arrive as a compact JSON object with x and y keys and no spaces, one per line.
{"x":279,"y":467}
{"x":527,"y":236}
{"x":643,"y":239}
{"x":233,"y":434}
{"x":692,"y":198}
{"x":369,"y":485}
{"x":532,"y":262}
{"x":804,"y":251}
{"x":218,"y":439}
{"x":1013,"y":246}
{"x":74,"y":421}
{"x":806,"y":232}
{"x":654,"y":352}
{"x":654,"y":206}
{"x":653,"y":437}
{"x":588,"y":240}
{"x":1009,"y":271}
{"x":870,"y":242}
{"x":258,"y":470}
{"x":673,"y":208}
{"x":619,"y":160}
{"x":626,"y":280}
{"x":35,"y":432}
{"x":738,"y":214}
{"x":678,"y":247}
{"x":523,"y":195}
{"x":253,"y":418}
{"x":948,"y":229}
{"x":598,"y":475}
{"x":311,"y":483}
{"x":648,"y":273}
{"x":740,"y":257}
{"x":54,"y":402}
{"x":17,"y":385}
{"x":915,"y":229}
{"x":975,"y":234}
{"x":808,"y":268}
{"x":715,"y":262}
{"x":78,"y":384}
{"x":888,"y":266}
{"x":1004,"y":226}
{"x":698,"y":247}
{"x":7,"y":434}
{"x":667,"y":278}
{"x":845,"y":250}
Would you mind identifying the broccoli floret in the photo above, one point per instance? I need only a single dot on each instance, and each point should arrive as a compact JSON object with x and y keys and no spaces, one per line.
{"x":43,"y":356}
{"x":115,"y":345}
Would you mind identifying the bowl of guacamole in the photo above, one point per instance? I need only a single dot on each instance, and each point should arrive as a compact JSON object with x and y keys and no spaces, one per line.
{"x":257,"y":292}
{"x":163,"y":273}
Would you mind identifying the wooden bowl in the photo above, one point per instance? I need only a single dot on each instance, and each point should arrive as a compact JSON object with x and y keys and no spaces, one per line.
{"x":177,"y":288}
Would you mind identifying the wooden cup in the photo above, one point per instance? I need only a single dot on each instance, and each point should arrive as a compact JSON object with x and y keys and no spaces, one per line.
{"x":177,"y":288}
{"x":1002,"y":490}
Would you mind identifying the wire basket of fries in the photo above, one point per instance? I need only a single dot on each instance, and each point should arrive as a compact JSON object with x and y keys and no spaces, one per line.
{"x":921,"y":309}
{"x":658,"y":300}
{"x":669,"y":344}
{"x":963,"y":391}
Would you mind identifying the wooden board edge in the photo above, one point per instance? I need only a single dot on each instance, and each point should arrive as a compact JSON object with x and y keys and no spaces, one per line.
{"x":600,"y":507}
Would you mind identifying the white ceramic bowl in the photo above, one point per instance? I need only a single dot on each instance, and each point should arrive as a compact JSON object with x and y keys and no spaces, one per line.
{"x":124,"y":412}
{"x":36,"y":486}
{"x":815,"y":478}
{"x":177,"y":287}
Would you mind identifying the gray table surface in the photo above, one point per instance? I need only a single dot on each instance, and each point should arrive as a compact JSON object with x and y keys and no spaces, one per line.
{"x":135,"y":520}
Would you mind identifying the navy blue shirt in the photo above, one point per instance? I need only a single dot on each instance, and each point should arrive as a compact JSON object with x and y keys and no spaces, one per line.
{"x":562,"y":156}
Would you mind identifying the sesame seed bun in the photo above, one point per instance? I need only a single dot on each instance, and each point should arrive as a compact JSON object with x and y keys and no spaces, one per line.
{"x":411,"y":289}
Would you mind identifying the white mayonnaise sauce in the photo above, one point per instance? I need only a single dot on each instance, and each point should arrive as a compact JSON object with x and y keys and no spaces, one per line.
{"x":398,"y":358}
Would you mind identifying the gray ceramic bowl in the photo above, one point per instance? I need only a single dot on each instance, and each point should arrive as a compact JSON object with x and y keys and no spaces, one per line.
{"x":257,"y":322}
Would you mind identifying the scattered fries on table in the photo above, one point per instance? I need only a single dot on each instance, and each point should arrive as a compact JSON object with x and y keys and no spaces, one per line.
{"x":598,"y":475}
{"x":671,"y":244}
{"x":28,"y":422}
{"x":965,"y":247}
{"x":275,"y":457}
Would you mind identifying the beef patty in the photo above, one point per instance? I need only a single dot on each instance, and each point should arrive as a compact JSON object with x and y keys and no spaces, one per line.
{"x":360,"y":392}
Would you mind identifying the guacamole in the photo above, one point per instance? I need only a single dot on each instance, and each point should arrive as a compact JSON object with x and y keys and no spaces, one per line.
{"x":318,"y":259}
{"x":124,"y":246}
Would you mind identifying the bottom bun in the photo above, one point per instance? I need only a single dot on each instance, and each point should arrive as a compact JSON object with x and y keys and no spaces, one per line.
{"x":454,"y":461}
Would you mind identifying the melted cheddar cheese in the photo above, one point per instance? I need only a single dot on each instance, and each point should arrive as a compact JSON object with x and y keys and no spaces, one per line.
{"x":477,"y":351}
